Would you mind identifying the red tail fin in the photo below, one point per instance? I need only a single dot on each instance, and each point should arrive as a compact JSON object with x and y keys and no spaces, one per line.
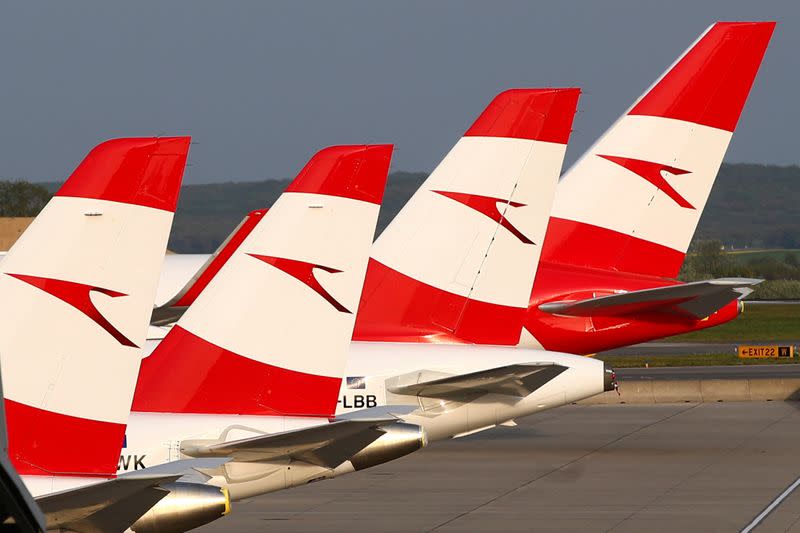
{"x":633,"y":201}
{"x":710,"y":83}
{"x":78,"y":287}
{"x":458,"y":262}
{"x":271,"y":331}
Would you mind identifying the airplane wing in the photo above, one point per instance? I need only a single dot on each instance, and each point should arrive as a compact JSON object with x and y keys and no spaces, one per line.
{"x":327,"y":445}
{"x":697,"y":299}
{"x":113,"y":505}
{"x":514,"y":380}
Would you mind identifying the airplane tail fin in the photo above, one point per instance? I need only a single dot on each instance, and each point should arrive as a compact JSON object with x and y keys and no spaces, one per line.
{"x":633,"y":201}
{"x":78,"y":287}
{"x":271,"y":331}
{"x":458,"y":262}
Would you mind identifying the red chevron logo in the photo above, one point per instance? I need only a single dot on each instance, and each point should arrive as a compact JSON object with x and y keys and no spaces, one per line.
{"x":304,"y":272}
{"x":486,"y":205}
{"x":78,"y":295}
{"x":651,"y":172}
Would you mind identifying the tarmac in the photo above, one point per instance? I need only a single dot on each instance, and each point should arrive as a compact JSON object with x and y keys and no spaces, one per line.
{"x":622,"y":468}
{"x":773,"y":371}
{"x":656,"y":349}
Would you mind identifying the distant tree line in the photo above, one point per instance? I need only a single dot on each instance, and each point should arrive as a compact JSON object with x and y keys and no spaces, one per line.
{"x":22,"y":199}
{"x":751,"y":206}
{"x":755,"y":206}
{"x":779,"y":269}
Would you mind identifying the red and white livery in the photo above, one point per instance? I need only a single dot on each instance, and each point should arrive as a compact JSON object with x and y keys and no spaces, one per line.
{"x":458,"y":262}
{"x":247,"y":371}
{"x":625,"y":213}
{"x":633,"y":201}
{"x":262,"y":349}
{"x":621,"y":222}
{"x":78,"y":289}
{"x":272,"y":328}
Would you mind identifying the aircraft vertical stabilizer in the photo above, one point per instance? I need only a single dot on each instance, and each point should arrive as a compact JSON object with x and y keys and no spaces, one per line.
{"x":633,"y":201}
{"x":270,"y":332}
{"x":458,"y":262}
{"x":78,"y":288}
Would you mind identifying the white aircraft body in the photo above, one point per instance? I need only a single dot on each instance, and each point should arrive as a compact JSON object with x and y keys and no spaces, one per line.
{"x":395,"y":381}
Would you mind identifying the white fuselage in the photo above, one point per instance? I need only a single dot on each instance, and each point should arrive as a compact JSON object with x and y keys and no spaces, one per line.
{"x":44,"y":485}
{"x":154,"y":438}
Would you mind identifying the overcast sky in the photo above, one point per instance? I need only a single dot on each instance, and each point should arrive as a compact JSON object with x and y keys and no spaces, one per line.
{"x":262,"y":85}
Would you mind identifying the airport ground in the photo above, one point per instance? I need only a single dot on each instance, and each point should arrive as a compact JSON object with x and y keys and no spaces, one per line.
{"x":731,"y":372}
{"x":624,"y":467}
{"x":776,"y":323}
{"x":661,"y":355}
{"x":688,"y":466}
{"x":760,"y":321}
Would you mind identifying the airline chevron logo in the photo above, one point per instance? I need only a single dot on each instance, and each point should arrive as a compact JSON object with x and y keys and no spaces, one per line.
{"x":651,"y":172}
{"x":304,"y":272}
{"x":486,"y":205}
{"x":78,"y":295}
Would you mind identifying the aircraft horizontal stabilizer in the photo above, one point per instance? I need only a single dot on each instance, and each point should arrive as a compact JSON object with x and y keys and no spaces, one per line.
{"x":114,"y":505}
{"x":696,"y":300}
{"x":108,"y":506}
{"x":513,"y":380}
{"x":327,"y":445}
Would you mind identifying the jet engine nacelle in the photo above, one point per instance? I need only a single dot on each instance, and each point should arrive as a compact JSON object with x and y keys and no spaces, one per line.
{"x":187,"y":506}
{"x":399,"y":439}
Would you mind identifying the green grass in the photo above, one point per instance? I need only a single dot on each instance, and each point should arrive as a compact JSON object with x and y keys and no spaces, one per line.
{"x":758,"y":323}
{"x":637,"y":361}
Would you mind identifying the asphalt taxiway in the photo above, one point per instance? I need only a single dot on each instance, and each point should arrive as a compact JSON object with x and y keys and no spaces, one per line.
{"x":773,"y":371}
{"x":690,"y":467}
{"x":688,"y":348}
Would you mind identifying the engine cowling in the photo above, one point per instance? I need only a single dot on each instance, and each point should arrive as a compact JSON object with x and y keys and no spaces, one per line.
{"x":399,"y":439}
{"x":187,"y":506}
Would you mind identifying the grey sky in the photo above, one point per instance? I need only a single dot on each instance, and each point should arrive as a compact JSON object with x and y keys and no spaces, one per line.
{"x":262,"y":85}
